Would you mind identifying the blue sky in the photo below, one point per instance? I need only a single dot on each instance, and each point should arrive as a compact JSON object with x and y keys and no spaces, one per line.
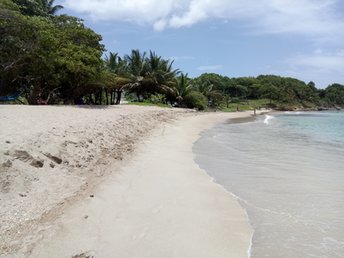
{"x":297,"y":38}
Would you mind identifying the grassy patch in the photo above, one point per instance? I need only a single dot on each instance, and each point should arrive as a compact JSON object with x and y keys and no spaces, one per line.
{"x":135,"y":103}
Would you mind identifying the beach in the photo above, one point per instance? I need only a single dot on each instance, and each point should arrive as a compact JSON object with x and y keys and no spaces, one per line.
{"x":113,"y":182}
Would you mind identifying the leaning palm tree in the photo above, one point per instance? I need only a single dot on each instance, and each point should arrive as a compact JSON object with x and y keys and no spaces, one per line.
{"x":159,"y":75}
{"x":49,"y":7}
{"x":149,"y":75}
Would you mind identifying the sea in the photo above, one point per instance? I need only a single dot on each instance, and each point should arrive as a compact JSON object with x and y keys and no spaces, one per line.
{"x":287,"y":172}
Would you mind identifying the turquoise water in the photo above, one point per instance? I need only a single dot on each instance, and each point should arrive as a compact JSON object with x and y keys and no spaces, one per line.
{"x":287,"y":171}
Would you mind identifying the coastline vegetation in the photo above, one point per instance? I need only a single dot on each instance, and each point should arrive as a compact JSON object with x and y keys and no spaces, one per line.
{"x":47,"y":58}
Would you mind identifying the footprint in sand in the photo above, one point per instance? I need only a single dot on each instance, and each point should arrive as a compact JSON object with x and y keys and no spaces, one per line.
{"x":157,"y":209}
{"x":85,"y":255}
{"x":24,"y":156}
{"x":140,"y":236}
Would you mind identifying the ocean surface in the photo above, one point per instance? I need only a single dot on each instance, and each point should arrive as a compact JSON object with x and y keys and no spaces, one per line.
{"x":287,"y":171}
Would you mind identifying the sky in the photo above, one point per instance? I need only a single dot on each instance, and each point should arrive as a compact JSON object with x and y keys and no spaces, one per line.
{"x":296,"y":38}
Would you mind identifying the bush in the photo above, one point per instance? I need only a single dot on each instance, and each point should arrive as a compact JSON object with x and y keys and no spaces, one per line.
{"x":215,"y":99}
{"x":157,"y":99}
{"x":195,"y":100}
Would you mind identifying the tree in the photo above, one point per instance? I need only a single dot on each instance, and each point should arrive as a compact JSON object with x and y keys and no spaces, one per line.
{"x":118,"y":68}
{"x":212,"y":86}
{"x":47,"y":55}
{"x":149,"y":75}
{"x":159,"y":75}
{"x":30,"y":7}
{"x":195,"y":99}
{"x":334,"y":94}
{"x":38,"y":7}
{"x":49,"y":7}
{"x":22,"y":46}
{"x":78,"y":58}
{"x":183,"y":88}
{"x":8,"y":5}
{"x":269,"y":91}
{"x":135,"y":70}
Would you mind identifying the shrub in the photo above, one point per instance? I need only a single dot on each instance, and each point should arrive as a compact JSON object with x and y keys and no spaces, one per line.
{"x":157,"y":99}
{"x":195,"y":100}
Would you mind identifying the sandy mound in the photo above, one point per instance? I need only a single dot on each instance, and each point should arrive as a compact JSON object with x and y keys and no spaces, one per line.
{"x":50,"y":155}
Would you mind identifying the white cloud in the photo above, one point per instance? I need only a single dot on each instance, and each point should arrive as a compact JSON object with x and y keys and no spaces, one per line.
{"x":312,"y":17}
{"x":138,"y":11}
{"x":326,"y":62}
{"x":210,"y":67}
{"x":321,"y":67}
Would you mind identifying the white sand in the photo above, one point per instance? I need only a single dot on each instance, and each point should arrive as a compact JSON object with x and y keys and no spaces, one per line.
{"x":155,"y":203}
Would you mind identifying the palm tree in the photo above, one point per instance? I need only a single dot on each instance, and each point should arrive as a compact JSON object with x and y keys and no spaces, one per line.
{"x":135,"y":71}
{"x":111,"y":61}
{"x":183,"y":87}
{"x":149,"y":75}
{"x":159,"y":76}
{"x":116,"y":64}
{"x":120,"y":77}
{"x":49,"y":7}
{"x":204,"y":87}
{"x":136,"y":62}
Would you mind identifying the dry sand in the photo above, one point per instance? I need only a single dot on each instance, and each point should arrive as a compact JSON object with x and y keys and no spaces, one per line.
{"x":87,"y":201}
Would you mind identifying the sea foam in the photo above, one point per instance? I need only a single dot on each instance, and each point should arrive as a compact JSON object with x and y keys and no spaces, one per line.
{"x":267,"y":119}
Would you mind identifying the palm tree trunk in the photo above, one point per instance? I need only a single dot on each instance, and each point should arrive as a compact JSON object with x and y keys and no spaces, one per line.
{"x":107,"y":96}
{"x":112,"y":97}
{"x":118,"y":96}
{"x":100,"y":97}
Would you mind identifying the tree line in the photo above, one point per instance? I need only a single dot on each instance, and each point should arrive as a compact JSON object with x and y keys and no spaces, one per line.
{"x":53,"y":59}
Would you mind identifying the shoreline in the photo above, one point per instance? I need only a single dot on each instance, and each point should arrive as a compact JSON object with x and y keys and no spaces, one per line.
{"x":259,"y":174}
{"x":181,"y":202}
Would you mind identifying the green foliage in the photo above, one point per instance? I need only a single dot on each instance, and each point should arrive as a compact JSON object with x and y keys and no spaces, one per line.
{"x":215,"y":98}
{"x":157,"y":99}
{"x":6,"y":5}
{"x":195,"y":100}
{"x":212,"y":86}
{"x":216,"y":81}
{"x":30,"y":7}
{"x":48,"y":56}
{"x":148,"y":104}
{"x":183,"y":88}
{"x":57,"y":59}
{"x":282,"y":92}
{"x":149,"y":75}
{"x":334,"y":94}
{"x":37,"y":7}
{"x":49,"y":7}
